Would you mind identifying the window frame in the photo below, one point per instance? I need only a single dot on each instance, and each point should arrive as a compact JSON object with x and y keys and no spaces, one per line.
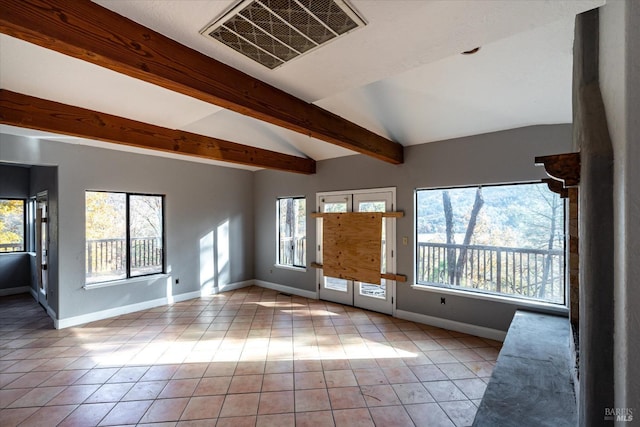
{"x":291,"y":266}
{"x":128,"y":276}
{"x":521,"y":300}
{"x":25,"y":245}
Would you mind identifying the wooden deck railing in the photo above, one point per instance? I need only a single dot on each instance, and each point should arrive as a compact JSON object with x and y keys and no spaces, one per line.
{"x":109,"y":255}
{"x":531,"y":273}
{"x":11,"y":247}
{"x":292,"y":251}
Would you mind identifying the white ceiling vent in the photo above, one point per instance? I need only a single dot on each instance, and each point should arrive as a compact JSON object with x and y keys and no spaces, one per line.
{"x":273,"y":32}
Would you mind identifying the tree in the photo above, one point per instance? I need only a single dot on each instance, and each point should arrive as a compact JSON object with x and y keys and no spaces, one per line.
{"x":105,"y":215}
{"x":289,"y":230}
{"x":553,"y":207}
{"x":12,"y":222}
{"x":455,"y":268}
{"x":145,"y":216}
{"x":292,"y":230}
{"x":518,"y":231}
{"x":451,"y":238}
{"x":462,"y":258}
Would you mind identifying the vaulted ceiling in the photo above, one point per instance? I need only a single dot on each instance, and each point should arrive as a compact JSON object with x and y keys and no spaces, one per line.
{"x":398,"y":81}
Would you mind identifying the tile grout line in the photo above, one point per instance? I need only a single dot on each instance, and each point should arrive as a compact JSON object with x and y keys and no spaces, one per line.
{"x":192,"y":324}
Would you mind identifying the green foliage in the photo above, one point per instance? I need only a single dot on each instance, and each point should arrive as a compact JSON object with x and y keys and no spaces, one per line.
{"x":106,"y":234}
{"x":11,"y":221}
{"x":518,"y":216}
{"x":105,"y":215}
{"x":516,"y":245}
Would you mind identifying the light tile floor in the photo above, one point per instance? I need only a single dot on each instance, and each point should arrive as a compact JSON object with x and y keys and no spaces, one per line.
{"x":250,"y":357}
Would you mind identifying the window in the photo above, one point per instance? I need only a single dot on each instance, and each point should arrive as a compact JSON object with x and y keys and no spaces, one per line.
{"x":506,"y":240}
{"x":124,"y":235}
{"x":292,"y":231}
{"x":12,"y":225}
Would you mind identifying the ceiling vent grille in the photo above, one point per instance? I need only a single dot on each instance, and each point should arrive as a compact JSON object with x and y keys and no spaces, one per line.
{"x":273,"y":32}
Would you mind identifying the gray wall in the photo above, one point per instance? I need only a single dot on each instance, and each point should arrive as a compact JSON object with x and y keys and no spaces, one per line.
{"x":619,"y":67}
{"x":498,"y":157}
{"x":14,"y":181}
{"x":14,"y":267}
{"x":15,"y":270}
{"x":200,"y":200}
{"x":591,"y":138}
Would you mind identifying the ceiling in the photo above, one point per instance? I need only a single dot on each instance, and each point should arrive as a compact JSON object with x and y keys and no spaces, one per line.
{"x":401,"y":76}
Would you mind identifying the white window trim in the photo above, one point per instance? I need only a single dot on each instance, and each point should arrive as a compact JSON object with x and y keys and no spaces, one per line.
{"x":524,"y":303}
{"x":128,"y":281}
{"x":306,"y":213}
{"x":290,"y":267}
{"x":551,"y":307}
{"x":25,"y":225}
{"x":131,"y":279}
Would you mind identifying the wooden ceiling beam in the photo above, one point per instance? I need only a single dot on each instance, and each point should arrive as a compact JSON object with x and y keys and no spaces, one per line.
{"x":34,"y":113}
{"x":88,"y":31}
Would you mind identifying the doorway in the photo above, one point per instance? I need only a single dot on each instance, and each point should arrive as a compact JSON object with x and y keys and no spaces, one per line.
{"x":42,"y":246}
{"x":373,"y":297}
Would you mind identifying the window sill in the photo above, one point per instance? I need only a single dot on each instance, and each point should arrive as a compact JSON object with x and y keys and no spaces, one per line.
{"x":128,"y":281}
{"x":521,"y":303}
{"x":291,"y":267}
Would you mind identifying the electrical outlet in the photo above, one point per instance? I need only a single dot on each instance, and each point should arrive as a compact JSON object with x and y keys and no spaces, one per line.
{"x":177,"y":281}
{"x":443,"y":301}
{"x":405,"y":240}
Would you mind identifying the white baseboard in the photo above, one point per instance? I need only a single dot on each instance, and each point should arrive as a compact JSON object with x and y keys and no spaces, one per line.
{"x":452,"y":325}
{"x":33,"y":293}
{"x":13,"y":291}
{"x":145,"y":305}
{"x":186,"y":296}
{"x":467,"y":328}
{"x":227,"y":287}
{"x":126,"y":309}
{"x":286,"y":289}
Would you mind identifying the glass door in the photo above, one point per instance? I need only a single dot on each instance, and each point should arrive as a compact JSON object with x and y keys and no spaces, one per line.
{"x":364,"y":295}
{"x":42,"y":239}
{"x":372,"y":296}
{"x":332,"y":288}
